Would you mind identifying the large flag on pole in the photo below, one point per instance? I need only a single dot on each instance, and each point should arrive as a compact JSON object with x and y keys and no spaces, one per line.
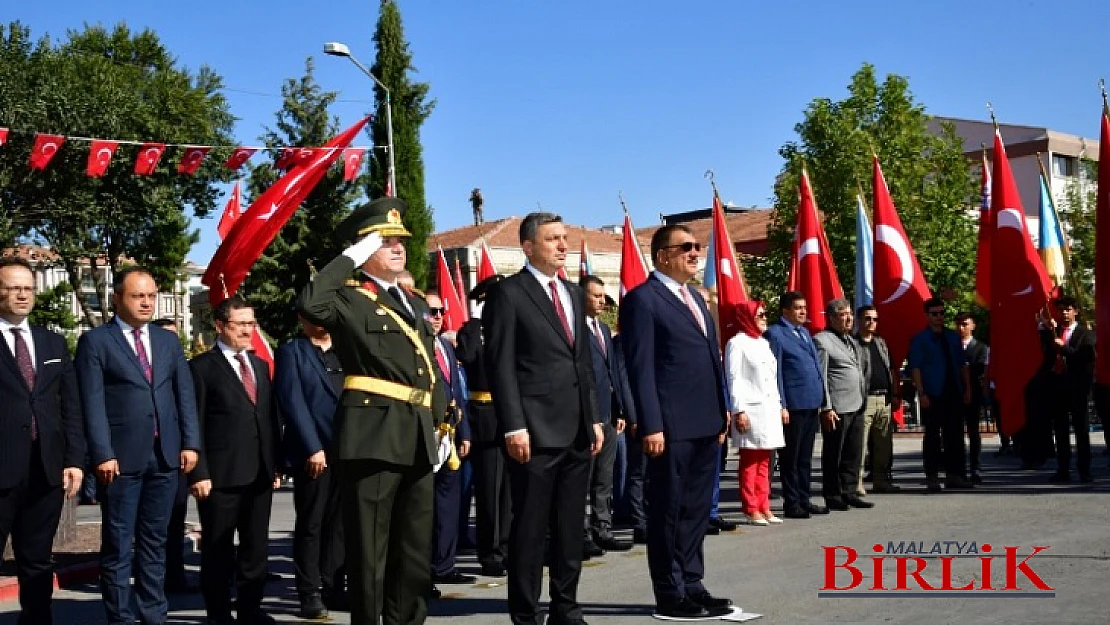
{"x":1019,"y":290}
{"x":731,"y":290}
{"x":460,"y":292}
{"x":585,"y":267}
{"x":1051,"y":243}
{"x":634,"y":270}
{"x":865,"y":255}
{"x":812,"y":270}
{"x":1102,"y":249}
{"x":709,"y":277}
{"x":452,"y":305}
{"x":231,"y":212}
{"x":986,"y":228}
{"x":485,"y":263}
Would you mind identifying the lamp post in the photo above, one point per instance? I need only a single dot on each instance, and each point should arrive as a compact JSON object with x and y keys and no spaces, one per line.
{"x":334,"y":48}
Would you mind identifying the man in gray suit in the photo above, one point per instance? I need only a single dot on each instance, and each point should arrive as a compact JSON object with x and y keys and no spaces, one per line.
{"x":844,"y":369}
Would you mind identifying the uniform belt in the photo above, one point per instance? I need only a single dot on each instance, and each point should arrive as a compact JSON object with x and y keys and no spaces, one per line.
{"x":481,"y":396}
{"x":878,"y":393}
{"x":385,"y":388}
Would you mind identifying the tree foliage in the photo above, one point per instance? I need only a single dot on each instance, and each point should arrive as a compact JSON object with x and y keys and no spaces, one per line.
{"x":112,"y":84}
{"x":1077,"y":214}
{"x":308,"y":238}
{"x":410,"y":108}
{"x":929,"y":178}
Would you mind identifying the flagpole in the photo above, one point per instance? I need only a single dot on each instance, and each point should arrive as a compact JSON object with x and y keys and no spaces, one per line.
{"x":990,"y":109}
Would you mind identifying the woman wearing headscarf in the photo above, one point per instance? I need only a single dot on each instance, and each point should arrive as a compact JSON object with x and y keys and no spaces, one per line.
{"x":757,"y":412}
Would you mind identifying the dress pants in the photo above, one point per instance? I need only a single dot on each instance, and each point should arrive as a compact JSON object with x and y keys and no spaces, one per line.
{"x":317,"y":533}
{"x":29,"y":513}
{"x":755,"y":483}
{"x":387,"y":530}
{"x":841,"y":454}
{"x":600,"y":522}
{"x":175,"y":533}
{"x":135,"y":510}
{"x":796,"y":458}
{"x":943,"y":420}
{"x":972,"y":416}
{"x":877,"y":436}
{"x":245,"y":509}
{"x":1071,"y":411}
{"x":445,"y":533}
{"x":493,"y":502}
{"x":549,"y":498}
{"x":678,"y":515}
{"x":634,"y":483}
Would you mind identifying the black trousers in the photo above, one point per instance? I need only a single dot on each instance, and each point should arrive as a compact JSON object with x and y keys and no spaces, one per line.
{"x":1035,"y":437}
{"x":387,"y":531}
{"x":1071,"y":410}
{"x":841,"y":450}
{"x":492,"y":501}
{"x":635,"y":482}
{"x":175,"y":533}
{"x":972,"y":413}
{"x":944,"y":421}
{"x":445,"y":533}
{"x":600,"y":521}
{"x":29,"y":513}
{"x":317,"y":533}
{"x":246,"y":510}
{"x":796,"y":459}
{"x":549,"y":498}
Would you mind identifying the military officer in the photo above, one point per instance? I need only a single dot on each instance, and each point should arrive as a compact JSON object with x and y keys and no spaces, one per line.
{"x":391,"y":404}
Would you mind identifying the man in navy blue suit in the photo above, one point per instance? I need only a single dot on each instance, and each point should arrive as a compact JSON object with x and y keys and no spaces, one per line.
{"x":141,"y":422}
{"x":674,"y":369}
{"x":802,"y":389}
{"x":308,"y":380}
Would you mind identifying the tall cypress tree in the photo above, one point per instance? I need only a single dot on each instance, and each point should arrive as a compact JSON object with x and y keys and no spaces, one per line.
{"x":410,"y":108}
{"x":309,"y":235}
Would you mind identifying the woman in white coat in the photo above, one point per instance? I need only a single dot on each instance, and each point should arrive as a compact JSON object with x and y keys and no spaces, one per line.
{"x":756,"y":409}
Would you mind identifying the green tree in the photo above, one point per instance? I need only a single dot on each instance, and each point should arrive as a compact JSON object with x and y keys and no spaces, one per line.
{"x":929,"y":178}
{"x":1077,"y":214}
{"x":112,"y":84}
{"x":410,"y":108}
{"x":308,"y":238}
{"x":52,"y":308}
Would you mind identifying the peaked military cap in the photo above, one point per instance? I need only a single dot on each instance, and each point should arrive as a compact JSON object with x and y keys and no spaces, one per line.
{"x":482,"y":289}
{"x":382,"y":215}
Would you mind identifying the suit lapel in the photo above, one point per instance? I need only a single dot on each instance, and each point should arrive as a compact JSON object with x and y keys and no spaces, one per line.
{"x":117,"y":333}
{"x":317,"y":364}
{"x":9,"y":358}
{"x":669,"y":297}
{"x":233,"y":375}
{"x":386,"y":298}
{"x":543,"y":301}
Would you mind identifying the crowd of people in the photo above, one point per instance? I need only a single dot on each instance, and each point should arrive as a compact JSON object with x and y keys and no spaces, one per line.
{"x":557,"y":429}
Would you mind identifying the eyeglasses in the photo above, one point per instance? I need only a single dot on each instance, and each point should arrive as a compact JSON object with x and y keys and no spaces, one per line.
{"x":29,"y":290}
{"x":936,"y":313}
{"x":242,"y":324}
{"x":436,"y":312}
{"x":869,"y":319}
{"x":687,"y":247}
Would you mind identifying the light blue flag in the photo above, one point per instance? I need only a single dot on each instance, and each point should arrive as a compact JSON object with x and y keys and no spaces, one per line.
{"x":865,"y":256}
{"x":709,"y":281}
{"x":1051,"y":243}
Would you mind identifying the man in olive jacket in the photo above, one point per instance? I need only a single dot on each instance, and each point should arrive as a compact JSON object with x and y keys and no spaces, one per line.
{"x":384,"y":444}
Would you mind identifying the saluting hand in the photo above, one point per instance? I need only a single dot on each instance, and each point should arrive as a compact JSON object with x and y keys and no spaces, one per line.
{"x":519,"y":447}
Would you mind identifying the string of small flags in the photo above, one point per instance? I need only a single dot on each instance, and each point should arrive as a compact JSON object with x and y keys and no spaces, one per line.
{"x":101,"y":151}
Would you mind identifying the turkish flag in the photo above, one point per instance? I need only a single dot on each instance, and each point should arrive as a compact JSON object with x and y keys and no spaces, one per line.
{"x":452,"y":306}
{"x":485,"y":264}
{"x":260,"y":223}
{"x":1102,"y":254}
{"x":261,"y":348}
{"x":352,"y":162}
{"x":460,"y":292}
{"x":731,"y":290}
{"x":287,"y":159}
{"x":812,"y":269}
{"x":231,"y":212}
{"x":983,"y":253}
{"x":100,"y":155}
{"x":46,"y":146}
{"x":900,"y":288}
{"x":191,"y":159}
{"x":585,"y":267}
{"x":147,"y":160}
{"x":1019,"y":290}
{"x":3,"y":136}
{"x":238,"y":157}
{"x":634,"y":270}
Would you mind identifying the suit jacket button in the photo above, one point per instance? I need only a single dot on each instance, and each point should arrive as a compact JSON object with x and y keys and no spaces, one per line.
{"x":420,"y":371}
{"x":366,"y":402}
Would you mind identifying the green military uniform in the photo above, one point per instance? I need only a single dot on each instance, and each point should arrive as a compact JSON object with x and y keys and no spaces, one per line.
{"x":384,"y":444}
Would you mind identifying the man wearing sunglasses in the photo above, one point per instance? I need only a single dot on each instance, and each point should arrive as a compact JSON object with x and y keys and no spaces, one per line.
{"x":880,"y":402}
{"x":943,"y":380}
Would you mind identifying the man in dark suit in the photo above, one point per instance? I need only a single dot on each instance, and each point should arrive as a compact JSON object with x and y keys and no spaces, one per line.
{"x":141,"y":421}
{"x":238,"y":470}
{"x":633,"y":507}
{"x":308,"y":379}
{"x":612,"y":396}
{"x":42,"y":439}
{"x":976,"y":353}
{"x":677,"y":382}
{"x":803,"y":394}
{"x":541,"y":377}
{"x":384,"y":445}
{"x":492,"y":500}
{"x":1075,"y":373}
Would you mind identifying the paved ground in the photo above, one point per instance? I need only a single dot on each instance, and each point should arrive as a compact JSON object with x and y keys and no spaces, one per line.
{"x":778,"y":571}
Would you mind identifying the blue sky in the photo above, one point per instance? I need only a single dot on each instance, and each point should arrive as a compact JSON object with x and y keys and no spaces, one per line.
{"x":565,"y":103}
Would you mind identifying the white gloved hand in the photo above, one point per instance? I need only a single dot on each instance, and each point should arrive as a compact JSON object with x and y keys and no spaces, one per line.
{"x":360,"y":252}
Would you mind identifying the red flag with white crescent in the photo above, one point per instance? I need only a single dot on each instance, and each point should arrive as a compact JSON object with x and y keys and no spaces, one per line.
{"x":452,"y":305}
{"x":147,"y":160}
{"x":238,"y":157}
{"x":812,"y":269}
{"x":46,"y":146}
{"x":485,"y":263}
{"x":1102,"y":254}
{"x":352,"y":162}
{"x":231,"y":212}
{"x":287,"y":159}
{"x":100,"y":156}
{"x":3,"y":136}
{"x":634,"y":270}
{"x":731,"y":290}
{"x":191,"y":159}
{"x":261,"y":348}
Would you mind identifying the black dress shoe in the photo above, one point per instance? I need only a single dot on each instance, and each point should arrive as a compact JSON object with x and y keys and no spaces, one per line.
{"x":591,"y":550}
{"x":834,"y":504}
{"x":639,"y":535}
{"x":957,"y":483}
{"x":609,"y":543}
{"x":454,"y":577}
{"x":796,"y":513}
{"x":312,"y":606}
{"x":1085,"y":478}
{"x":813,"y":508}
{"x":183,"y":585}
{"x":685,"y":608}
{"x":856,"y":502}
{"x":337,"y":601}
{"x":709,"y":602}
{"x":435,"y":592}
{"x":493,"y":569}
{"x":723,"y":524}
{"x":710,"y":530}
{"x":1060,"y":477}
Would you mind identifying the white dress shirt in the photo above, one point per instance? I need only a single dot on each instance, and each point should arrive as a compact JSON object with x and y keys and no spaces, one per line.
{"x":564,"y":295}
{"x":393,"y":285}
{"x":674,"y":287}
{"x":232,"y":357}
{"x":6,"y":329}
{"x":144,"y":335}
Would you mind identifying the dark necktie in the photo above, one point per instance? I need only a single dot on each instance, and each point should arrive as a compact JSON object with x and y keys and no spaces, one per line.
{"x":248,"y":378}
{"x":442,"y":359}
{"x":144,"y":362}
{"x":559,"y":310}
{"x":395,"y":293}
{"x":600,"y":337}
{"x":27,"y":370}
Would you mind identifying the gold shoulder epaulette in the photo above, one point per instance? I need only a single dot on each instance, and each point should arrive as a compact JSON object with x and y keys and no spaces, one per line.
{"x":352,"y":283}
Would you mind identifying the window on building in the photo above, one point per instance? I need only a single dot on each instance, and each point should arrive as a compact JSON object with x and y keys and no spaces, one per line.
{"x":1064,"y":166}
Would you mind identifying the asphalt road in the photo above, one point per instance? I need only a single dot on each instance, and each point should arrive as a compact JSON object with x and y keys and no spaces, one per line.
{"x":779,"y":571}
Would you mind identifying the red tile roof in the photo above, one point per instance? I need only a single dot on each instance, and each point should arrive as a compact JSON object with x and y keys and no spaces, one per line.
{"x":32,"y":253}
{"x":506,"y":233}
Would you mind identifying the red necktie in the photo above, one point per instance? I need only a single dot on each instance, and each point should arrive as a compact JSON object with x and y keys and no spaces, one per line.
{"x":443,"y":362}
{"x":560,"y":311}
{"x":600,"y":337}
{"x":27,"y":370}
{"x":693,"y":309}
{"x":248,"y":378}
{"x":144,"y":362}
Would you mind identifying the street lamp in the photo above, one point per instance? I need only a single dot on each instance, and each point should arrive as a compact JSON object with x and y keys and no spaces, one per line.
{"x":335,"y":48}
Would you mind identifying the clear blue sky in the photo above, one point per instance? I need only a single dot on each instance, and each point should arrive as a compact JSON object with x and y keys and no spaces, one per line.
{"x":566,"y":102}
